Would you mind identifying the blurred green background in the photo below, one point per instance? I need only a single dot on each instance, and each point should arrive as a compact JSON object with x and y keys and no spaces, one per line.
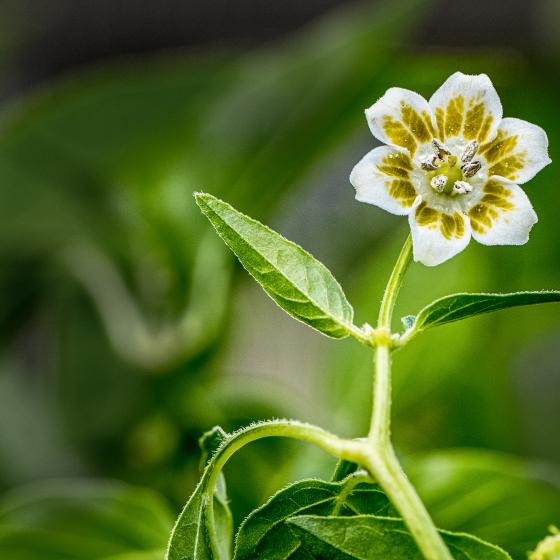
{"x":127,"y":329}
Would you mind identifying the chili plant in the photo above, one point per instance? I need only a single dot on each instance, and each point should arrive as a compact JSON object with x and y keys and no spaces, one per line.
{"x":453,"y":165}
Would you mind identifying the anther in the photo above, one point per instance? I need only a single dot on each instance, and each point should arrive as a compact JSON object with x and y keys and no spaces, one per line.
{"x":438,"y":182}
{"x":461,"y":187}
{"x":469,"y":151}
{"x":429,"y":163}
{"x":471,"y":168}
{"x":440,"y":150}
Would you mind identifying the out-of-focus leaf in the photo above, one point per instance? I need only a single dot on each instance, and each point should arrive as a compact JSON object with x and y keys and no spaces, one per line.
{"x":264,"y":534}
{"x":82,"y":520}
{"x":127,"y":327}
{"x":32,"y":442}
{"x":367,"y":537}
{"x":149,"y":555}
{"x":109,"y":156}
{"x":462,"y":306}
{"x":488,"y":494}
{"x":297,"y":282}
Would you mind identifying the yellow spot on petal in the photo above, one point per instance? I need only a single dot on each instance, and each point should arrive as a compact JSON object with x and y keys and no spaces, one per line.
{"x":500,"y":152}
{"x":450,"y":225}
{"x":498,"y":148}
{"x":429,"y":125}
{"x":485,"y":128}
{"x":473,"y":121}
{"x":454,"y":113}
{"x":494,"y":203}
{"x":403,"y":191}
{"x":509,"y":166}
{"x":440,"y":123}
{"x":413,"y":128}
{"x":396,"y":164}
{"x":426,"y":216}
{"x":482,"y":217}
{"x":398,"y":134}
{"x":416,"y":124}
{"x":477,"y":122}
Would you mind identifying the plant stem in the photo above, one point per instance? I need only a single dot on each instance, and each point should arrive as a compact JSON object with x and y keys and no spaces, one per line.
{"x":386,"y":469}
{"x":382,"y":462}
{"x":380,"y":431}
{"x":340,"y":448}
{"x":394,"y":285}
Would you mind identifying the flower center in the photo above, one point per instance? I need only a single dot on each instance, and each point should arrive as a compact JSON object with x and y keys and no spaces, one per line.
{"x":447,"y":174}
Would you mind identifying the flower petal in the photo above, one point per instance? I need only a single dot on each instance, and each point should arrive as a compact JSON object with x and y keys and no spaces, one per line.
{"x":382,"y":178}
{"x":503,"y":216}
{"x":519,"y":151}
{"x":437,"y":236}
{"x":402,"y":118}
{"x":466,"y":107}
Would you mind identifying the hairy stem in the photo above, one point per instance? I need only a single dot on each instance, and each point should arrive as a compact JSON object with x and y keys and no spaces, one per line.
{"x":340,"y":448}
{"x":386,"y":469}
{"x":382,"y":462}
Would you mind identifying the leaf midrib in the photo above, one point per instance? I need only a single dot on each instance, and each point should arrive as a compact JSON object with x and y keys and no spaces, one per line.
{"x":306,"y":298}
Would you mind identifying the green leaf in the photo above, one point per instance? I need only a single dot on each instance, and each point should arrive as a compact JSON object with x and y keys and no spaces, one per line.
{"x":210,"y":442}
{"x":297,"y":282}
{"x":191,"y":538}
{"x":82,"y":520}
{"x":313,"y":519}
{"x":500,"y":498}
{"x":202,"y":532}
{"x":264,"y":534}
{"x":462,"y":306}
{"x":367,"y":537}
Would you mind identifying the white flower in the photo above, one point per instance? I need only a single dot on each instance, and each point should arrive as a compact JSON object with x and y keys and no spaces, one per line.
{"x":453,"y":165}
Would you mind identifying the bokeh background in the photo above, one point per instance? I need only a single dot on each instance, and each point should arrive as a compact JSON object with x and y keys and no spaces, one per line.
{"x":126,"y":327}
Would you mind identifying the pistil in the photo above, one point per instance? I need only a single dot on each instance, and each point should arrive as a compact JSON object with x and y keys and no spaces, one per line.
{"x":446,"y":177}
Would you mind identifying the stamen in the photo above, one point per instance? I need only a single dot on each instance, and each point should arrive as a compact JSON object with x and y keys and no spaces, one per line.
{"x":440,"y":150}
{"x":471,"y":168}
{"x":438,"y":182}
{"x":429,"y":163}
{"x":469,"y":151}
{"x":461,"y":187}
